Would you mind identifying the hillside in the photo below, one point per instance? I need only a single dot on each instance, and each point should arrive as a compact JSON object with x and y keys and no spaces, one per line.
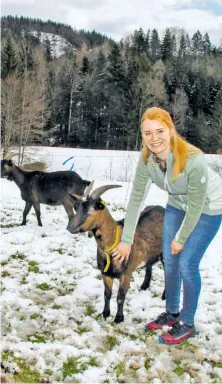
{"x":36,"y":29}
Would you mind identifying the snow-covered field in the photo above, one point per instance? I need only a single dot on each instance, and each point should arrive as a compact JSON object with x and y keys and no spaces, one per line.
{"x":52,"y":295}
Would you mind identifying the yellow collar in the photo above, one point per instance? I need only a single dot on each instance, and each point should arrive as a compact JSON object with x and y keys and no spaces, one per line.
{"x":106,"y":251}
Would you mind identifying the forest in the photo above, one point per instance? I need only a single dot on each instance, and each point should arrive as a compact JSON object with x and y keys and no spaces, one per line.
{"x":92,"y":93}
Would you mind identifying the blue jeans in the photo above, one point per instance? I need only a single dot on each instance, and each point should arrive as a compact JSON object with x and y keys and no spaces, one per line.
{"x":184,"y":267}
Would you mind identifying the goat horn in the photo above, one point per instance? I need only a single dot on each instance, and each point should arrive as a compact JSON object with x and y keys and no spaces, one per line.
{"x":99,"y":191}
{"x":88,"y":189}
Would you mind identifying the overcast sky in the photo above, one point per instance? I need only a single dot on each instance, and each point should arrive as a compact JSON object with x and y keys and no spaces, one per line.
{"x":117,"y":18}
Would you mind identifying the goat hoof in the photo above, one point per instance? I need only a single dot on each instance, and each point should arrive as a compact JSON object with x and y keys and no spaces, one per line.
{"x":143,"y":287}
{"x":23,"y":223}
{"x":106,"y":314}
{"x":118,"y":319}
{"x":40,"y":224}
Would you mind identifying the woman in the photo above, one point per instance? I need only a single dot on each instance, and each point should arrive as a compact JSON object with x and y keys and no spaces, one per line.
{"x":192,"y":218}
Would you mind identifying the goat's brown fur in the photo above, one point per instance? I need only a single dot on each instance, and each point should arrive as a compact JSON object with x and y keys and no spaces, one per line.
{"x":146,"y":248}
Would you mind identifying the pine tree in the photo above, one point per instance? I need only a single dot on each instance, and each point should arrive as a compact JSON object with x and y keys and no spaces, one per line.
{"x":207,"y":46}
{"x":139,"y":42}
{"x":9,"y":57}
{"x":197,"y":43}
{"x":183,"y":46}
{"x":167,"y":46}
{"x":155,"y":45}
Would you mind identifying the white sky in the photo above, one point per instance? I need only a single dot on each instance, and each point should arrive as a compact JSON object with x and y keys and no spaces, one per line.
{"x":59,"y":314}
{"x":117,"y":18}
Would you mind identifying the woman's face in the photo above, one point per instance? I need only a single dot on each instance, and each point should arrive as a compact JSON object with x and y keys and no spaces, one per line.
{"x":156,"y":136}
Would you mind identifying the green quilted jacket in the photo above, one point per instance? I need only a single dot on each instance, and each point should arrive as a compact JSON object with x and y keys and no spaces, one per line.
{"x":197,"y":190}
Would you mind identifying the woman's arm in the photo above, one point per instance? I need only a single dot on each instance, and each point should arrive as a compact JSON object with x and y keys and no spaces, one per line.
{"x":197,"y":172}
{"x":141,"y":185}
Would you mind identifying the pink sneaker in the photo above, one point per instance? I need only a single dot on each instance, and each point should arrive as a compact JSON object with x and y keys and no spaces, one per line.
{"x":164,"y":318}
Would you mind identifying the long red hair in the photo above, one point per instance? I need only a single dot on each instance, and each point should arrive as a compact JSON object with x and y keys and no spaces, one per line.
{"x":180,"y":147}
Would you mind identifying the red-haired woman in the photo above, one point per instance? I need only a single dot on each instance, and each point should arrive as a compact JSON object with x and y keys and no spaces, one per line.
{"x":192,"y":218}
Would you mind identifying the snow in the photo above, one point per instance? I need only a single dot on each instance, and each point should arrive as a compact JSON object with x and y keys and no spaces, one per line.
{"x":51,"y":313}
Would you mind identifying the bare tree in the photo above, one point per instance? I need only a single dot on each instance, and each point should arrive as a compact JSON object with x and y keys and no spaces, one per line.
{"x":179,"y":109}
{"x":9,"y":111}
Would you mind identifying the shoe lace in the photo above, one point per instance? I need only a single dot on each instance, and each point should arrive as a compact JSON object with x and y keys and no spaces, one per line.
{"x":162,"y":317}
{"x":176,"y":327}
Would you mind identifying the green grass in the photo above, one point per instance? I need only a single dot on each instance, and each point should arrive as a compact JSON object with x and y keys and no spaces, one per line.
{"x":5,"y":274}
{"x":90,"y":310}
{"x":34,"y":316}
{"x":44,"y":287}
{"x":55,"y":306}
{"x":24,"y":374}
{"x":38,"y":338}
{"x":179,"y":370}
{"x":148,"y":363}
{"x":59,"y":250}
{"x":18,"y":255}
{"x":110,"y":342}
{"x":120,"y":369}
{"x":33,"y":267}
{"x":73,"y":366}
{"x":3,"y":263}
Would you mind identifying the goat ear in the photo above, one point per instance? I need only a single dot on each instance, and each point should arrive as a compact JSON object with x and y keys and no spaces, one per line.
{"x":100,"y":205}
{"x":75,"y":197}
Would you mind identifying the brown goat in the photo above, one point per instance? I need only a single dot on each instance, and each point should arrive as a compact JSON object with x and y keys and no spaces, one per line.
{"x":92,"y":215}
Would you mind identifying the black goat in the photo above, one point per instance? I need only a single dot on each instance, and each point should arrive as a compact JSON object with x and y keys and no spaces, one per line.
{"x":93,"y":216}
{"x":52,"y":188}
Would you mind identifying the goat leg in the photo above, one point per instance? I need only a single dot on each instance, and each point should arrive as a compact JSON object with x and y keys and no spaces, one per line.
{"x":163,"y":297}
{"x":147,"y":278}
{"x":27,"y":208}
{"x":36,"y":206}
{"x":124,"y":285}
{"x":108,"y":283}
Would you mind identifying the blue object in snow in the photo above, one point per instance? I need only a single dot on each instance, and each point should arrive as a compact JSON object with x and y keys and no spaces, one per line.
{"x":66,"y":161}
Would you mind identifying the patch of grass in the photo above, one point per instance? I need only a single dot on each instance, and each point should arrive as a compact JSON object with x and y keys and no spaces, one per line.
{"x":150,"y":333}
{"x":22,"y":318}
{"x":34,"y":316}
{"x":148,"y":363}
{"x":128,"y":335}
{"x":93,"y":362}
{"x":48,"y":372}
{"x":18,"y":255}
{"x":5,"y":274}
{"x":43,"y":235}
{"x":24,"y":374}
{"x":9,"y":225}
{"x":73,"y":366}
{"x":110,"y":342}
{"x":38,"y":338}
{"x":90,"y":310}
{"x":23,"y":281}
{"x":179,"y":371}
{"x":120,"y":369}
{"x":59,"y":250}
{"x":44,"y":287}
{"x":55,"y":306}
{"x":3,"y":263}
{"x":33,"y":267}
{"x":137,"y":321}
{"x":214,"y":364}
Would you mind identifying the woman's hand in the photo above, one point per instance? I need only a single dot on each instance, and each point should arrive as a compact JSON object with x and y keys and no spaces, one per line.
{"x":176,"y":247}
{"x":121,"y":252}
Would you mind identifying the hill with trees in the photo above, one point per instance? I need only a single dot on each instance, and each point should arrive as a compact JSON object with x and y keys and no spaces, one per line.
{"x":93,"y":91}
